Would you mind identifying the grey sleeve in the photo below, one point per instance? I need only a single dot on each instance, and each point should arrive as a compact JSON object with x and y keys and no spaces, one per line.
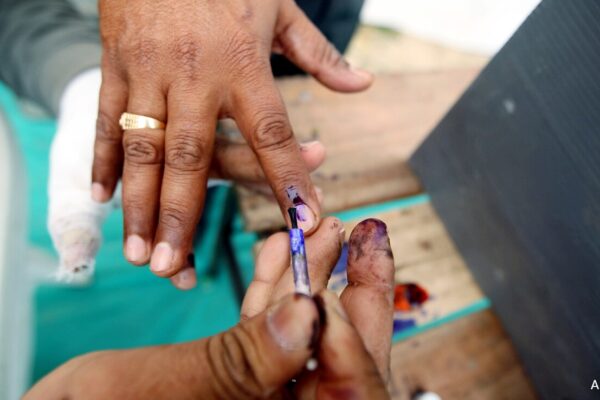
{"x":43,"y":45}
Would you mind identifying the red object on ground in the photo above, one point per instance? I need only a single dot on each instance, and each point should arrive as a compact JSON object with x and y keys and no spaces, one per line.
{"x":408,"y":295}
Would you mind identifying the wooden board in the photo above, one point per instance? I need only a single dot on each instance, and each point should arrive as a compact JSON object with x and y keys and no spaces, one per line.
{"x":369,"y":136}
{"x":514,"y":172}
{"x":468,"y":359}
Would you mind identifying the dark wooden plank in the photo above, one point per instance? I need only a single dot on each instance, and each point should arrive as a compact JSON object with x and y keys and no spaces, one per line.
{"x":514,"y":172}
{"x":467,"y":359}
{"x":369,"y":136}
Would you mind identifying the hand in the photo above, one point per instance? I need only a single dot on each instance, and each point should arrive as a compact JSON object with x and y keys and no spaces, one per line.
{"x":259,"y":357}
{"x":75,"y":220}
{"x":190,"y":63}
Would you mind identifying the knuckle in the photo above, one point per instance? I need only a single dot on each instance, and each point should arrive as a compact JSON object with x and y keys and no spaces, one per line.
{"x":185,"y":54}
{"x":234,"y":361}
{"x":139,"y":150}
{"x":173,"y":217}
{"x":140,"y":52}
{"x":272,"y":132}
{"x":242,"y":54}
{"x":187,"y":150}
{"x":107,"y":129}
{"x":186,"y":49}
{"x":134,"y":206}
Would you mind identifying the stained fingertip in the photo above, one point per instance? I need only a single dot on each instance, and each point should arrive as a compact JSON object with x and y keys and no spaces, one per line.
{"x":307,"y":218}
{"x":370,"y":234}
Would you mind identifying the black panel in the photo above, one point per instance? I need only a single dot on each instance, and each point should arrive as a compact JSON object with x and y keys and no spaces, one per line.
{"x":514,"y":172}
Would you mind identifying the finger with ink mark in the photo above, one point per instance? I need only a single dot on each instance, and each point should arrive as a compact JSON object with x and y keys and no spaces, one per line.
{"x":306,"y":217}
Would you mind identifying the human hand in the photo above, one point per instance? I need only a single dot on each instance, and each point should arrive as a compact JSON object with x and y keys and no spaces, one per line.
{"x":190,"y":63}
{"x":368,"y":298}
{"x":75,"y":219}
{"x":259,"y":357}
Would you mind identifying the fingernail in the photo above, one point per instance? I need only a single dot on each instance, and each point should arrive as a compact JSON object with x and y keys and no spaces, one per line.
{"x":99,"y":194}
{"x":292,"y":324}
{"x":306,"y":217}
{"x":342,"y":234}
{"x":161,"y":257}
{"x":136,"y":249}
{"x":307,"y":145}
{"x":319,"y":193}
{"x":185,"y":279}
{"x":363,"y":74}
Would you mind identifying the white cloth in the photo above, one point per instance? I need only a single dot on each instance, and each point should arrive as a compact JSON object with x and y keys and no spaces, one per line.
{"x":74,"y":219}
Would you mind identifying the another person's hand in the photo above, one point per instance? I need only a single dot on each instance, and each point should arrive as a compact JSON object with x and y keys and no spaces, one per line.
{"x":74,"y":219}
{"x":189,"y":64}
{"x":259,"y":357}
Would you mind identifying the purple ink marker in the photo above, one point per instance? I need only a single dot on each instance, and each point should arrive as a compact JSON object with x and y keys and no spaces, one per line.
{"x":299,"y":264}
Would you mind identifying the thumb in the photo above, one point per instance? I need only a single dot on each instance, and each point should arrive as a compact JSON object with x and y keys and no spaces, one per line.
{"x":302,"y":42}
{"x":262,"y":354}
{"x":347,"y":370}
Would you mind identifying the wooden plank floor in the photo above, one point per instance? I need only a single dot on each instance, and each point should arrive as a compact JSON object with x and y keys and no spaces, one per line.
{"x":468,"y":359}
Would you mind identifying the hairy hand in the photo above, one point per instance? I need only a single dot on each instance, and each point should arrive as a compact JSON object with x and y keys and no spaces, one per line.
{"x":190,"y":63}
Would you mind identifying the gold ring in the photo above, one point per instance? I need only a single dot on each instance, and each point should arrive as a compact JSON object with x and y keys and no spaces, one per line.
{"x":134,"y":121}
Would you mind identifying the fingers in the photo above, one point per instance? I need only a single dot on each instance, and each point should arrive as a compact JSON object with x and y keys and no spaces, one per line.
{"x":261,"y":355}
{"x":323,"y":250}
{"x":346,"y":369}
{"x":188,"y":153}
{"x":368,"y":298}
{"x":186,"y":279}
{"x":271,"y":263}
{"x":273,"y":278}
{"x":142,"y":174}
{"x":108,"y":150}
{"x":261,"y":115}
{"x":301,"y":42}
{"x":238,"y":162}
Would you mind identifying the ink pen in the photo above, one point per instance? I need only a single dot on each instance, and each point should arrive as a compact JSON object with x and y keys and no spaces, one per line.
{"x":299,"y":264}
{"x":300,"y":268}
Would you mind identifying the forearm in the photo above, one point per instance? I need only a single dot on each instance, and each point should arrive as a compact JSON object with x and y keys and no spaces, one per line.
{"x":44,"y":44}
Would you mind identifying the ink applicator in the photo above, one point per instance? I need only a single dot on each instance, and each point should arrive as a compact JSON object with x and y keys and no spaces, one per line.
{"x":298,"y":252}
{"x":300,"y":268}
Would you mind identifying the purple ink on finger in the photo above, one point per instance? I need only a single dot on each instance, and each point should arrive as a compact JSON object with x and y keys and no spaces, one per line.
{"x":301,"y":207}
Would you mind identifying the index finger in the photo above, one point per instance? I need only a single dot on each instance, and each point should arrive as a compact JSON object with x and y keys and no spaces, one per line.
{"x":263,"y":120}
